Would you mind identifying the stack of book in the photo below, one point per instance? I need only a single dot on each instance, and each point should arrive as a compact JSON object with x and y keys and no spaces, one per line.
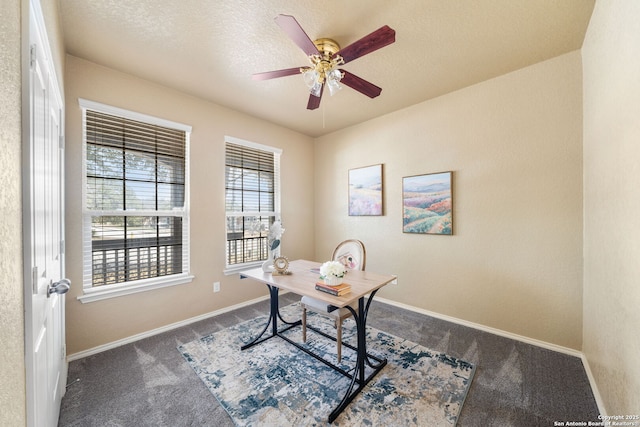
{"x":338,"y":290}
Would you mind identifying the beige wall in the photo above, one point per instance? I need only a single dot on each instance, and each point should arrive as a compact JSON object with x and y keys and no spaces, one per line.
{"x":611,"y":58}
{"x":513,"y":143}
{"x":97,"y":323}
{"x":12,"y":376}
{"x":514,"y":146}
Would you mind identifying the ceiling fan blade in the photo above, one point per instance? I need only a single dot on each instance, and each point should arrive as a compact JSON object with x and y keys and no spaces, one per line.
{"x":381,"y":37}
{"x":290,"y":26}
{"x":314,"y":101}
{"x":275,"y":74}
{"x":361,"y":85}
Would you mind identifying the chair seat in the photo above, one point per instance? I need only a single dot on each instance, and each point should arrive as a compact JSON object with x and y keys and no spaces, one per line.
{"x":324,"y":307}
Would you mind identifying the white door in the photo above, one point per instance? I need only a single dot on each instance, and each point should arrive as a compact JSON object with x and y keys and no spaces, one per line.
{"x":44,"y":236}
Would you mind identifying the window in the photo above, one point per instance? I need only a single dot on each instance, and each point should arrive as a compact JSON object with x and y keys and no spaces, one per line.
{"x":136,"y":217}
{"x":252,"y":200}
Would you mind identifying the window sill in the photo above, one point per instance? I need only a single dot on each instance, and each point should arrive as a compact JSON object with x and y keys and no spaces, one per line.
{"x":113,"y":291}
{"x":241,"y":267}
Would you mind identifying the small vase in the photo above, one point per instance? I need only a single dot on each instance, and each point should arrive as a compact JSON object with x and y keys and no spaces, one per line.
{"x":332,"y":280}
{"x":267,"y":265}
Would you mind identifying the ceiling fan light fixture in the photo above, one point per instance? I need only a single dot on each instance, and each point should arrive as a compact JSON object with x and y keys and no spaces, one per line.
{"x":310,"y":77}
{"x":323,"y":68}
{"x":333,"y":86}
{"x":335,"y":74}
{"x":333,"y":79}
{"x":316,"y":89}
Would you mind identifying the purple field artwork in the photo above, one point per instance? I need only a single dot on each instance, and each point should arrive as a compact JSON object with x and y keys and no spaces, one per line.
{"x":365,"y":191}
{"x":426,"y":202}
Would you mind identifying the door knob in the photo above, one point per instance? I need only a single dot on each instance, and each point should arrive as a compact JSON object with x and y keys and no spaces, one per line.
{"x":60,"y":287}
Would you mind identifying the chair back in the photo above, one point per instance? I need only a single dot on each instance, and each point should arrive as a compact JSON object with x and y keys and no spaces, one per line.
{"x":351,"y":254}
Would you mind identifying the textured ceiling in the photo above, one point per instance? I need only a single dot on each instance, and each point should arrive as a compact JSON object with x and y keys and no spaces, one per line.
{"x":210,"y":49}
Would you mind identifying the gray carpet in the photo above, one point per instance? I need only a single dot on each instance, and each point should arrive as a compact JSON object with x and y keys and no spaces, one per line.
{"x":148,"y":383}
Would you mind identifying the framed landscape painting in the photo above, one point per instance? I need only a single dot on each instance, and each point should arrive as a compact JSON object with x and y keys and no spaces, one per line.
{"x":426,"y":204}
{"x":365,"y":191}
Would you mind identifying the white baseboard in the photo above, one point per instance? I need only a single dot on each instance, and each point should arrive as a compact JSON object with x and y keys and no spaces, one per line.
{"x":594,"y":386}
{"x":494,"y":331}
{"x":538,"y":343}
{"x":147,"y":334}
{"x":527,"y":340}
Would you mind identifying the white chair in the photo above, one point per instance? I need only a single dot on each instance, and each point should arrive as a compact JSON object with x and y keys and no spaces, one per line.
{"x":352,"y":254}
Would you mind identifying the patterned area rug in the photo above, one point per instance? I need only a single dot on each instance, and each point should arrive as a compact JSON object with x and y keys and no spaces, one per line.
{"x":276,"y":384}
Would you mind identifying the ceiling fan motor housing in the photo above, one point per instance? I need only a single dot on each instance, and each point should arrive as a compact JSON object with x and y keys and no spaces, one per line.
{"x":327,"y":47}
{"x":325,"y":61}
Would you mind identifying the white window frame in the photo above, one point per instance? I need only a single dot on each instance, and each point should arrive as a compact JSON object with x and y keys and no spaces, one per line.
{"x":277,"y":152}
{"x":91,"y":293}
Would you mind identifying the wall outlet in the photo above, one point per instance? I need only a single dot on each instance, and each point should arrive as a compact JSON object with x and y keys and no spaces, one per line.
{"x":216,"y":286}
{"x":395,"y":281}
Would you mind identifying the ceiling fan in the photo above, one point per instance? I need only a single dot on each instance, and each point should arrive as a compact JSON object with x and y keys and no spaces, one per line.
{"x":325,"y":57}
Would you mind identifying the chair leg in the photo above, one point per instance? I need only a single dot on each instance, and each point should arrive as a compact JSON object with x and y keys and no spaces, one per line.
{"x":304,"y":324}
{"x":339,"y":338}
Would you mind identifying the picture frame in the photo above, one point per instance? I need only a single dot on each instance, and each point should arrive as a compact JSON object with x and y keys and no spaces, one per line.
{"x":427,"y":204}
{"x":366,"y":191}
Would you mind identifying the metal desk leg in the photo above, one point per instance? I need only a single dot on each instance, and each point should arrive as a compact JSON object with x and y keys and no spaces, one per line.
{"x":273,"y":320}
{"x":362,"y":357}
{"x":274,"y":314}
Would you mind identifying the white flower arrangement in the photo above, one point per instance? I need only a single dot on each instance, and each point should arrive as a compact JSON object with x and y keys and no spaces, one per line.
{"x":332,"y":268}
{"x":275,"y":233}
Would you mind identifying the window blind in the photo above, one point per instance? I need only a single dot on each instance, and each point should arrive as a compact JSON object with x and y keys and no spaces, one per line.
{"x":135,"y":199}
{"x":251,"y":200}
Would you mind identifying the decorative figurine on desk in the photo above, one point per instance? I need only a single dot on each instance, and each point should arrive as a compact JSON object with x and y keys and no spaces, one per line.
{"x":281,"y":266}
{"x":273,"y":242}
